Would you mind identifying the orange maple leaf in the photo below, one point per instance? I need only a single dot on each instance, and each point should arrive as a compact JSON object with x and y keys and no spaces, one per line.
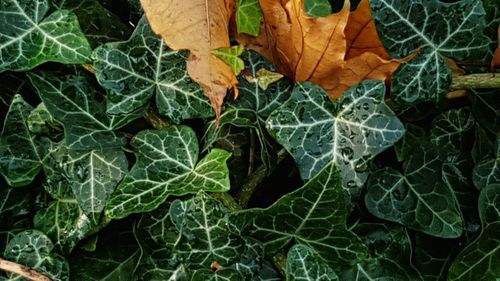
{"x":199,"y":26}
{"x":334,"y":52}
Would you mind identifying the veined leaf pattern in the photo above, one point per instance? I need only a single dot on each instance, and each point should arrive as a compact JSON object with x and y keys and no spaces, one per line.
{"x":29,"y":37}
{"x":144,"y":66}
{"x":304,"y":264}
{"x":314,"y":215}
{"x":487,"y":171}
{"x":167,"y":164}
{"x":349,"y":131}
{"x":439,"y":30}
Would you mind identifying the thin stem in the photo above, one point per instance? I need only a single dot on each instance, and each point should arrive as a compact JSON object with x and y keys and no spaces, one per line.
{"x":154,"y":118}
{"x":475,"y":81}
{"x":227,"y":200}
{"x":22,"y":270}
{"x":254,"y":180}
{"x":251,"y":157}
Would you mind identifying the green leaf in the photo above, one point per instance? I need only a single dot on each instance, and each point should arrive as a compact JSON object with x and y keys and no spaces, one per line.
{"x":405,"y":26}
{"x":20,"y":160}
{"x":98,"y":24}
{"x":167,"y":164}
{"x":487,"y":171}
{"x":231,"y":56}
{"x":315,"y":216}
{"x":449,"y":130}
{"x":318,"y":8}
{"x":433,"y":256}
{"x":492,"y":8}
{"x":15,"y":203}
{"x":349,"y":131}
{"x":41,"y":123}
{"x":479,"y":260}
{"x":378,"y":269}
{"x":94,"y":175}
{"x":33,"y":249}
{"x":303,"y":263}
{"x":483,"y":147}
{"x":248,"y":16}
{"x":115,"y":259}
{"x":28,"y":37}
{"x":418,"y":198}
{"x":222,"y":275}
{"x":78,"y":105}
{"x":486,"y":109}
{"x":135,"y":70}
{"x":253,"y":107}
{"x":414,"y":136}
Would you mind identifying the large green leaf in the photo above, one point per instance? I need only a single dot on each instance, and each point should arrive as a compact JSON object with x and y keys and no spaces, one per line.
{"x":304,"y":264}
{"x":486,"y":108}
{"x":15,"y":203}
{"x":315,"y":215}
{"x":77,"y":103}
{"x":98,"y":24}
{"x":248,"y":16}
{"x":167,"y":164}
{"x":405,"y":26}
{"x":480,"y":259}
{"x":487,"y":171}
{"x":33,"y":249}
{"x":433,"y":256}
{"x":29,"y":37}
{"x":449,"y":130}
{"x":144,"y":66}
{"x":418,"y":198}
{"x":20,"y":150}
{"x":253,"y":107}
{"x":349,"y":131}
{"x":222,"y":275}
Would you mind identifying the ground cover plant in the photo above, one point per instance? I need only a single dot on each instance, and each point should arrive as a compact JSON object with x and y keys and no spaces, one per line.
{"x":249,"y":140}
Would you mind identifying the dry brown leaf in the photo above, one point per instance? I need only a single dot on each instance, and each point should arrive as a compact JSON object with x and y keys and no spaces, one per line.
{"x":455,"y":69}
{"x":199,"y":26}
{"x":361,"y":33}
{"x":495,"y":62}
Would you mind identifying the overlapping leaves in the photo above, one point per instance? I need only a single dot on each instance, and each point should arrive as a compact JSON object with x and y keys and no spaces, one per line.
{"x":167,"y":164}
{"x":29,"y":36}
{"x":410,"y":25}
{"x":144,"y":66}
{"x":315,"y":215}
{"x":349,"y":131}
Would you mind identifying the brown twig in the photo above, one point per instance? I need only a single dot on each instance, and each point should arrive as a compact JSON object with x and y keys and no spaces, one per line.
{"x":456,"y":94}
{"x":22,"y":270}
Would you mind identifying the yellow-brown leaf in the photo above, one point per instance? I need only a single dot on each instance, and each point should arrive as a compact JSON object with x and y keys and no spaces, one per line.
{"x":199,"y":26}
{"x":495,"y":62}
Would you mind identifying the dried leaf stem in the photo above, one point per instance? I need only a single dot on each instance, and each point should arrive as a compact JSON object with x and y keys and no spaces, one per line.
{"x":22,"y":270}
{"x":475,"y":81}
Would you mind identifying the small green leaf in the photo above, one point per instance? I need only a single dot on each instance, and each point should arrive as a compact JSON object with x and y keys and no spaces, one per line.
{"x":318,"y":8}
{"x":304,"y":264}
{"x":405,"y":26}
{"x":20,"y":160}
{"x":167,"y":164}
{"x":349,"y":131}
{"x":231,"y":56}
{"x":33,"y":249}
{"x":135,"y":70}
{"x":479,"y":260}
{"x":78,"y":105}
{"x":418,"y":199}
{"x":315,"y":216}
{"x":28,"y":37}
{"x":248,"y":16}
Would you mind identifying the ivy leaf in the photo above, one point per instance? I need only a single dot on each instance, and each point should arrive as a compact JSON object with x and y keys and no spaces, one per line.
{"x":30,"y":37}
{"x":253,"y":107}
{"x":417,"y":199}
{"x":318,"y":8}
{"x":144,"y":66}
{"x":231,"y":56}
{"x":414,"y":135}
{"x":315,"y":216}
{"x":167,"y":164}
{"x":248,"y":16}
{"x":33,"y":249}
{"x":98,"y":24}
{"x":349,"y":131}
{"x":487,"y":171}
{"x":433,"y":256}
{"x":303,"y":263}
{"x":407,"y":26}
{"x":449,"y":130}
{"x":94,"y":175}
{"x":222,"y":275}
{"x":15,"y":203}
{"x":486,"y":109}
{"x":483,"y":147}
{"x":479,"y":259}
{"x":75,"y":100}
